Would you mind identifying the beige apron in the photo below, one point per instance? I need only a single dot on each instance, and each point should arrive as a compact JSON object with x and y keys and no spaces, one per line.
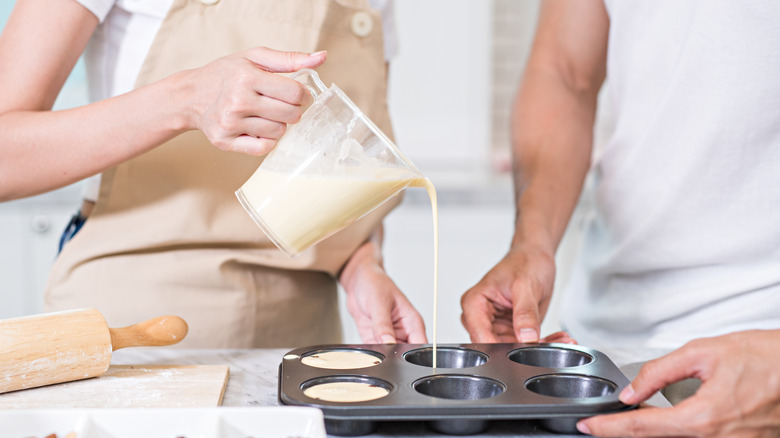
{"x":168,"y":236}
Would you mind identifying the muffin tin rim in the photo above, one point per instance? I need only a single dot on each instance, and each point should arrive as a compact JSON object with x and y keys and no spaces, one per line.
{"x":499,"y":406}
{"x":447,"y":347}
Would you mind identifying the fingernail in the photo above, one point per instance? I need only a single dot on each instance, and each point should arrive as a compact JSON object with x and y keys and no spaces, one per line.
{"x":388,"y":339}
{"x":317,"y":53}
{"x":528,"y":335}
{"x":626,"y":394}
{"x":583,"y":428}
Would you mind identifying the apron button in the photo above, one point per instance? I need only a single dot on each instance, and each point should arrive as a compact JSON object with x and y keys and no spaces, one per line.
{"x":209,"y":2}
{"x":362,"y":24}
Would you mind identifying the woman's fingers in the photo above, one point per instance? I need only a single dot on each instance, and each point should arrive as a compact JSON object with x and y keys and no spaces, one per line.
{"x":241,"y":105}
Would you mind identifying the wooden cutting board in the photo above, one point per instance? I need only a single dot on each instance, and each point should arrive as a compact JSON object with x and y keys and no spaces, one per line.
{"x":130,"y":386}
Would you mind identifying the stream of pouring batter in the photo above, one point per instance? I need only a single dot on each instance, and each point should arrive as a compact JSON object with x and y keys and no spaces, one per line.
{"x":428,"y":185}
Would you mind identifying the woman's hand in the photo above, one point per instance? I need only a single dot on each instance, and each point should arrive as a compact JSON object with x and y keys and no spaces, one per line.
{"x":242,"y":105}
{"x":382,"y":313}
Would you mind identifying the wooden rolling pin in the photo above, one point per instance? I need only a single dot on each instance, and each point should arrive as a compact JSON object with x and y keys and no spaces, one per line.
{"x":72,"y":345}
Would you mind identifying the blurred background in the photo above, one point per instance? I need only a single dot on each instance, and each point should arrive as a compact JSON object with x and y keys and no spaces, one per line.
{"x":451,"y":90}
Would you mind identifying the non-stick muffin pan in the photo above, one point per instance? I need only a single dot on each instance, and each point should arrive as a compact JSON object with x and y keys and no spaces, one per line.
{"x":472,"y":384}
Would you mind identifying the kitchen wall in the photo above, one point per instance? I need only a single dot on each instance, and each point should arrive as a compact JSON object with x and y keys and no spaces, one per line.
{"x":450,"y":94}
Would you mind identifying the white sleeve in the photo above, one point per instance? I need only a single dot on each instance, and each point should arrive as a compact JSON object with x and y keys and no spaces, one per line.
{"x":98,"y":7}
{"x":390,"y":36}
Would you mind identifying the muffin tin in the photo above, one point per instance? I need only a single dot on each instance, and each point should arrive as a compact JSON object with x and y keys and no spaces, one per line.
{"x":473,"y":384}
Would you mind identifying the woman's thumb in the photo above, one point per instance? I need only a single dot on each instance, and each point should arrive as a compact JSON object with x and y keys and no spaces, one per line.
{"x":276,"y":61}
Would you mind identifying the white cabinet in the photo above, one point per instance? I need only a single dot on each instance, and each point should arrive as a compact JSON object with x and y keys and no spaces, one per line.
{"x":29,"y":235}
{"x":473,"y":236}
{"x":475,"y":229}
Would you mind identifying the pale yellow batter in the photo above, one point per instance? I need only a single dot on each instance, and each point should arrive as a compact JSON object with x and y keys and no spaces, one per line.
{"x":428,"y":185}
{"x":296,"y":211}
{"x":346,"y":392}
{"x":341,"y":360}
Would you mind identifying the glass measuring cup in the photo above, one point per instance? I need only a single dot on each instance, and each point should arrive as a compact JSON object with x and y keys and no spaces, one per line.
{"x":326,"y":172}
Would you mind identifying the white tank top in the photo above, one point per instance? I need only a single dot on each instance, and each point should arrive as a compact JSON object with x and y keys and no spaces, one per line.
{"x":684,"y":241}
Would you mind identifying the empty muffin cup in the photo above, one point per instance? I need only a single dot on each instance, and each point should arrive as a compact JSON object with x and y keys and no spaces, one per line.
{"x":570,"y":386}
{"x":346,"y":389}
{"x":342,"y":359}
{"x":457,"y":426}
{"x":349,"y":427}
{"x":459,"y":387}
{"x":550,"y":357}
{"x":446,"y":357}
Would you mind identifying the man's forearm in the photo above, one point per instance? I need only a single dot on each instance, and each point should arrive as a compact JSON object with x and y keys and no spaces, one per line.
{"x":552,"y":141}
{"x":552,"y":122}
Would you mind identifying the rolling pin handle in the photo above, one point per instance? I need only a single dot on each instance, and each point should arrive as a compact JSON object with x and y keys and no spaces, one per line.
{"x":160,"y":331}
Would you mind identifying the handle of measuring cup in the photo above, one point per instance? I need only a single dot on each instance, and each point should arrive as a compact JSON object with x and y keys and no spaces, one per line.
{"x":307,"y":76}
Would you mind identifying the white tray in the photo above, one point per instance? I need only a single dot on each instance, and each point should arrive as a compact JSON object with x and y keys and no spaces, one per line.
{"x":239,"y":422}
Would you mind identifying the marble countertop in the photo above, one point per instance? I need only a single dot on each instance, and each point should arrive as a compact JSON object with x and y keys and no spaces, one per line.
{"x":253,"y":382}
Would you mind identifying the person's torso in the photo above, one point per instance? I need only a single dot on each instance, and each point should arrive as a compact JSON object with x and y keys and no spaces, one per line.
{"x":684,"y":240}
{"x":167,"y":234}
{"x":181,"y":193}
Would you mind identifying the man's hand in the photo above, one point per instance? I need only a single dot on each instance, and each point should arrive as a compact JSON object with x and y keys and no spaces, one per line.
{"x":739,"y":395}
{"x":509,"y":303}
